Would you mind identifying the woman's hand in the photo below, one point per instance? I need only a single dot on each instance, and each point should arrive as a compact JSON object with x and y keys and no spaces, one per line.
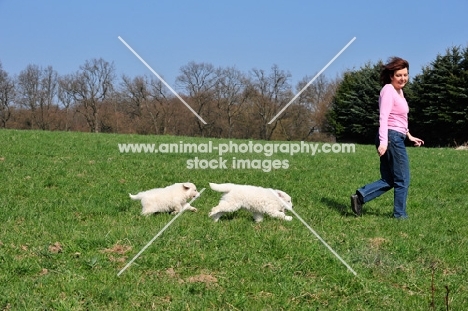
{"x":417,"y":141}
{"x":381,"y":150}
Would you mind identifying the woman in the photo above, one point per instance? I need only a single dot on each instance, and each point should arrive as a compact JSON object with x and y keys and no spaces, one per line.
{"x":390,"y":142}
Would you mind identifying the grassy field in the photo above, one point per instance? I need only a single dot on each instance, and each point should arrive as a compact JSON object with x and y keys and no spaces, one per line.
{"x":68,"y":227}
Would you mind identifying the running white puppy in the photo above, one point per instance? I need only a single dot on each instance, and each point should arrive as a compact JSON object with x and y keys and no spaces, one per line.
{"x":255,"y":199}
{"x":169,"y":199}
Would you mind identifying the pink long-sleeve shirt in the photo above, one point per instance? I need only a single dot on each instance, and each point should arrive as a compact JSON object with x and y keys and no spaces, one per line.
{"x":393,"y":113}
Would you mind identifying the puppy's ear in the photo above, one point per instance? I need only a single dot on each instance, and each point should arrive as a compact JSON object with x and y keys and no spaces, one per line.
{"x":283,"y":195}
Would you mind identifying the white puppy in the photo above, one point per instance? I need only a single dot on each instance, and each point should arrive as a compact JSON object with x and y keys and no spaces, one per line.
{"x":169,"y":199}
{"x":257,"y":200}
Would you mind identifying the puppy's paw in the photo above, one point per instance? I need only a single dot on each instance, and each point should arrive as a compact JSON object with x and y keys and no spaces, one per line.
{"x":288,"y":218}
{"x":214,"y":216}
{"x":189,"y":207}
{"x":215,"y":219}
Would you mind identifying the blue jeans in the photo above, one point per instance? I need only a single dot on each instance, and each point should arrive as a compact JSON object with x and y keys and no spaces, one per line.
{"x":394,"y":172}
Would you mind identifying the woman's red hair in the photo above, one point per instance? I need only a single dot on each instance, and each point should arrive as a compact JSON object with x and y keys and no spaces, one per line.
{"x":388,"y":70}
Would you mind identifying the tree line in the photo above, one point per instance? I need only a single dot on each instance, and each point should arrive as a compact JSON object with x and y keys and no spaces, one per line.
{"x":232,"y":103}
{"x":235,"y":104}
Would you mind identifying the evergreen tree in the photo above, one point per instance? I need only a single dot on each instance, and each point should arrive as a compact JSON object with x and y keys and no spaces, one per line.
{"x":354,"y":113}
{"x":439,"y":100}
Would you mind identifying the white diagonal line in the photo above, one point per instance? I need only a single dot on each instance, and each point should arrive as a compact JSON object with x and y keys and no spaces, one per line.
{"x":157,"y":235}
{"x":162,"y":80}
{"x":286,"y":205}
{"x":313,"y":79}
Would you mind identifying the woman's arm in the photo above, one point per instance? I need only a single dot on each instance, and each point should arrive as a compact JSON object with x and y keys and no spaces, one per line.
{"x":385,"y":106}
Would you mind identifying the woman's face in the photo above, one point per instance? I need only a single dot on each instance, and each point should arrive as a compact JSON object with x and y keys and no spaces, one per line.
{"x":400,"y":78}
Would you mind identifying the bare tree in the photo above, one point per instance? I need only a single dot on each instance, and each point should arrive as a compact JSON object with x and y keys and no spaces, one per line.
{"x":199,"y":81}
{"x":37,"y":89}
{"x":231,"y":95}
{"x":317,"y":99}
{"x":28,"y":90}
{"x":7,"y":93}
{"x":135,"y":93}
{"x":159,"y":107}
{"x":91,"y":86}
{"x":296,"y":125}
{"x":269,"y":93}
{"x":49,"y":85}
{"x":65,"y":96}
{"x":146,"y":101}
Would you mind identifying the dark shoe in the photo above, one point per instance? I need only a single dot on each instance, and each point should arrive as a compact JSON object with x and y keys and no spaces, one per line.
{"x":356,"y":205}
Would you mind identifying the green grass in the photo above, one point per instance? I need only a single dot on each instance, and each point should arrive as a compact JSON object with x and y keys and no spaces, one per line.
{"x":68,"y":227}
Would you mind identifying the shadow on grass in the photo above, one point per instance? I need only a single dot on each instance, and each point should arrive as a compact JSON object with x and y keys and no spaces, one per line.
{"x":337,"y":206}
{"x":345,"y":209}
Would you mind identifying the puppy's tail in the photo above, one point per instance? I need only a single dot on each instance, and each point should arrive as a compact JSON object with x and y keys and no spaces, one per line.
{"x":221,"y":187}
{"x":134,"y":197}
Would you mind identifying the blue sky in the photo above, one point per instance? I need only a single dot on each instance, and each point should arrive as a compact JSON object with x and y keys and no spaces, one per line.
{"x":301,"y":37}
